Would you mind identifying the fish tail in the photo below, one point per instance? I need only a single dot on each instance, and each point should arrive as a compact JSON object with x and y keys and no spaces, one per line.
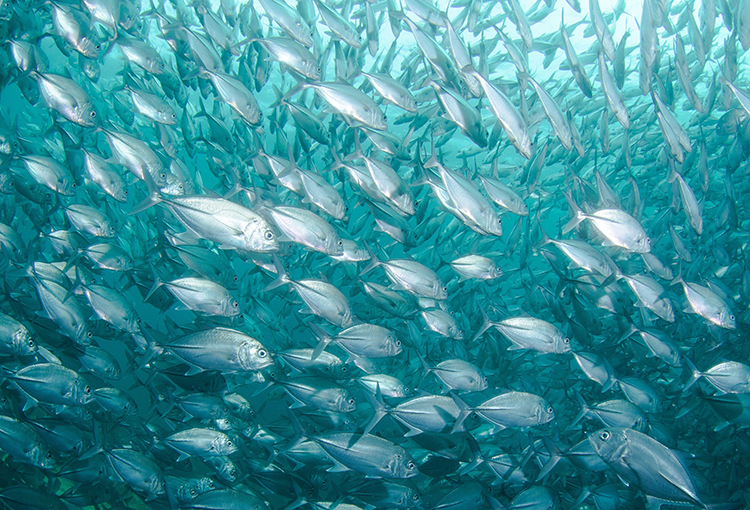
{"x":695,"y":374}
{"x":578,"y":216}
{"x":464,"y":413}
{"x":323,"y":340}
{"x":554,"y":457}
{"x":282,"y":279}
{"x":154,"y":194}
{"x":583,"y":412}
{"x":377,"y":406}
{"x":374,"y":261}
{"x":486,"y":324}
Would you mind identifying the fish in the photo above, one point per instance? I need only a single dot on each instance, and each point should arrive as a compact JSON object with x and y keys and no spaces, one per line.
{"x":355,"y":255}
{"x":646,"y":462}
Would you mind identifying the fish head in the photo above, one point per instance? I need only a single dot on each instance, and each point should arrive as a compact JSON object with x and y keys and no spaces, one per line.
{"x":545,"y":413}
{"x":494,"y":224}
{"x":410,"y":499}
{"x":303,"y":33}
{"x":89,"y":47}
{"x":155,"y":485}
{"x":345,"y":403}
{"x":480,"y":134}
{"x":339,"y":209}
{"x":562,"y":344}
{"x":639,"y":423}
{"x":84,"y":114}
{"x":642,"y":244}
{"x":481,"y":383}
{"x":43,"y":457}
{"x":402,"y":465}
{"x":456,"y":332}
{"x":230,"y":307}
{"x":525,"y":145}
{"x":82,"y":393}
{"x":405,"y":203}
{"x":439,"y":290}
{"x":494,"y":272}
{"x":83,"y":335}
{"x":174,"y":185}
{"x":345,"y":317}
{"x":262,"y":240}
{"x":106,"y":229}
{"x":611,"y":444}
{"x":519,"y":206}
{"x":154,"y":64}
{"x":22,"y":342}
{"x":253,"y":356}
{"x":119,"y":191}
{"x":334,"y":246}
{"x":91,"y":69}
{"x":312,"y":68}
{"x":65,"y":186}
{"x":727,"y":319}
{"x":666,"y":310}
{"x":224,"y":467}
{"x":223,"y":445}
{"x":393,"y":345}
{"x":167,"y":116}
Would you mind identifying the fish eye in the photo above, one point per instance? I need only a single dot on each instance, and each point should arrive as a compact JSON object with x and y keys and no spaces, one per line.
{"x":93,"y":114}
{"x":550,"y":410}
{"x":385,"y":117}
{"x":90,"y":334}
{"x":233,"y":473}
{"x":49,"y":455}
{"x":269,"y":235}
{"x":98,"y":47}
{"x":398,"y":343}
{"x":411,"y":465}
{"x":351,"y":401}
{"x":236,"y":278}
{"x":340,"y":243}
{"x":229,"y":443}
{"x":31,"y":343}
{"x":445,"y":287}
{"x":731,"y":318}
{"x":318,"y":69}
{"x":87,"y":390}
{"x":566,"y":340}
{"x":604,"y":436}
{"x":344,"y":369}
{"x":235,"y":304}
{"x":262,"y":353}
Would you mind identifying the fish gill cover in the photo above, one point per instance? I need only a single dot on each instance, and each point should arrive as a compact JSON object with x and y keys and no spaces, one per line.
{"x":356,"y":255}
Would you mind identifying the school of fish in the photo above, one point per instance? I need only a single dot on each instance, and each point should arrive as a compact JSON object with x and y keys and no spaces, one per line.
{"x":363,"y":254}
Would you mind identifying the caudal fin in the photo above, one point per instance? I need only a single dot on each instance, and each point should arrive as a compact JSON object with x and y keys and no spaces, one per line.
{"x":695,"y":374}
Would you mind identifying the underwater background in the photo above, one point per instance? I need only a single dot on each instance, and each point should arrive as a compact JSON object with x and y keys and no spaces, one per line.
{"x":365,"y":255}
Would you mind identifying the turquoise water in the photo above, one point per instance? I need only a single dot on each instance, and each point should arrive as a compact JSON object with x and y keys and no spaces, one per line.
{"x":491,"y":290}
